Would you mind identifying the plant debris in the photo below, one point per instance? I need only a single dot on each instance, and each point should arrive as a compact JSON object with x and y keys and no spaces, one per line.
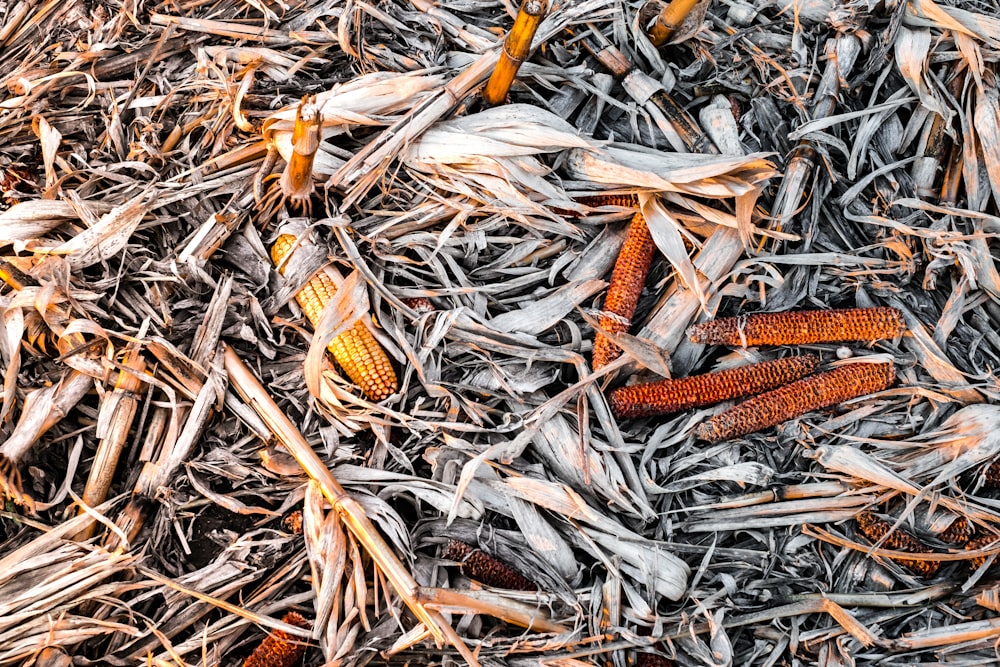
{"x":186,"y":470}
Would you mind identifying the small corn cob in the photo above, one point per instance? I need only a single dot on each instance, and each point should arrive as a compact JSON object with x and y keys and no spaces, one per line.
{"x":875,"y":528}
{"x":801,"y":327}
{"x":421,"y":305}
{"x":280,"y":649}
{"x":991,"y":476}
{"x":792,"y":400}
{"x":653,"y":660}
{"x":627,"y":281}
{"x":293,"y":522}
{"x":979,"y":543}
{"x":486,"y":569}
{"x":666,"y":396}
{"x":624,"y":200}
{"x":959,"y":532}
{"x":356,"y":350}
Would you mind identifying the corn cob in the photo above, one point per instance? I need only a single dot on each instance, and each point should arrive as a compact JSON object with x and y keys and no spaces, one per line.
{"x":293,"y":522}
{"x":810,"y":393}
{"x":627,"y":281}
{"x":979,"y":543}
{"x":356,"y":350}
{"x":420,"y":304}
{"x":959,"y":532}
{"x":653,"y":660}
{"x":480,"y":567}
{"x":666,"y":396}
{"x":801,"y":327}
{"x":625,"y":200}
{"x":991,"y":476}
{"x":875,"y":528}
{"x":280,"y":649}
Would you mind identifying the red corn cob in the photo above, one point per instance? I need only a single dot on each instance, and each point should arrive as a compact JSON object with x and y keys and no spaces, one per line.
{"x":625,"y":200}
{"x":875,"y":528}
{"x":801,"y":327}
{"x":810,"y":393}
{"x":979,"y":543}
{"x":420,"y":304}
{"x":665,"y":396}
{"x":959,"y":532}
{"x":279,"y":649}
{"x":627,"y":281}
{"x":480,"y":567}
{"x":991,"y":476}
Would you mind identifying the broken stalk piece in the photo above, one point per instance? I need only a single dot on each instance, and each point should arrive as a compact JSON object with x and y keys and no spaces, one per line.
{"x":677,"y":125}
{"x":350,"y":511}
{"x":669,"y":20}
{"x":114,"y":421}
{"x":841,"y":51}
{"x":296,"y":180}
{"x":515,"y":50}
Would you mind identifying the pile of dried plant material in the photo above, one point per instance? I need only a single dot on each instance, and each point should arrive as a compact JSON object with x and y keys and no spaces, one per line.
{"x":200,"y":198}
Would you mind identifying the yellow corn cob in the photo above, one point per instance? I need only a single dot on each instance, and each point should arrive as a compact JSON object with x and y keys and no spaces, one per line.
{"x":627,"y":281}
{"x":875,"y":528}
{"x":356,"y":350}
{"x":810,"y":393}
{"x":666,"y":396}
{"x":485,"y":569}
{"x":280,"y":649}
{"x":801,"y":327}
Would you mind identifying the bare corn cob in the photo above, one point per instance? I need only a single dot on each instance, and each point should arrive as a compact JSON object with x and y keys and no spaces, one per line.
{"x":810,"y":393}
{"x":875,"y":528}
{"x":979,"y":543}
{"x":280,"y":649}
{"x":801,"y":327}
{"x":627,"y":281}
{"x":356,"y":350}
{"x":486,"y":569}
{"x":666,"y":396}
